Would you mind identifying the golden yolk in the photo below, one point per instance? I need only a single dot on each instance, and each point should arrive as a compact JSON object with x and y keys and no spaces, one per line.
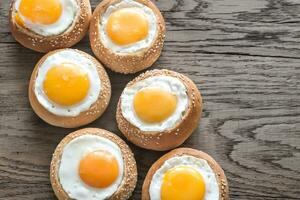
{"x":181,"y":183}
{"x":66,"y":84}
{"x":41,"y":11}
{"x":127,"y":26}
{"x":99,"y":169}
{"x":154,"y":105}
{"x":19,"y":20}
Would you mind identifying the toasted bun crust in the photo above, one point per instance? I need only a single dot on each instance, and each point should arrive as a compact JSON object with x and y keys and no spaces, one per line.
{"x":83,"y":118}
{"x":70,"y":37}
{"x":131,"y":62}
{"x":130,"y":171}
{"x":220,"y":175}
{"x":171,"y":138}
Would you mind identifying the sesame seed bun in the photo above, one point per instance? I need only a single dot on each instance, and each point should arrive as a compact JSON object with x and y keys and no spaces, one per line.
{"x":129,"y":62}
{"x":94,"y":112}
{"x":173,"y":137}
{"x":130,"y":171}
{"x":219,"y":173}
{"x":68,"y":38}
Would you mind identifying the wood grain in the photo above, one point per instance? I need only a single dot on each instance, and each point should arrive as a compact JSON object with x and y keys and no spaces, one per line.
{"x":243,"y":55}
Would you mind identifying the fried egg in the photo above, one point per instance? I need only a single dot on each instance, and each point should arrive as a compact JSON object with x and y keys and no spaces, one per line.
{"x":184,"y":177}
{"x":67,"y":83}
{"x":127,"y":27}
{"x":156,"y":103}
{"x":46,"y":17}
{"x":91,"y":167}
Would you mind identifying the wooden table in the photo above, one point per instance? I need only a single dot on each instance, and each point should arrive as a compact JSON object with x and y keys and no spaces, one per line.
{"x":243,"y":55}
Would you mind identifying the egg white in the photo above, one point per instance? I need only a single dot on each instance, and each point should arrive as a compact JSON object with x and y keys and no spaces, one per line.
{"x":72,"y":154}
{"x":134,"y":47}
{"x":162,"y":82}
{"x":69,"y":12}
{"x":201,"y":165}
{"x":68,"y":56}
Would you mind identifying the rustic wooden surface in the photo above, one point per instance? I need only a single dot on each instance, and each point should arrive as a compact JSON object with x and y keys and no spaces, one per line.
{"x":244,"y":56}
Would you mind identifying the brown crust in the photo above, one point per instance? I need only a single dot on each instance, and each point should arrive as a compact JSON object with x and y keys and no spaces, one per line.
{"x":83,"y":118}
{"x":130,"y":171}
{"x":66,"y":39}
{"x":174,"y":137}
{"x":220,"y":175}
{"x":126,"y":63}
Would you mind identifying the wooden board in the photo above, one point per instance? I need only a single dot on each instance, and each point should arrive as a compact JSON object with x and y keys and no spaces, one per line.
{"x":243,"y":55}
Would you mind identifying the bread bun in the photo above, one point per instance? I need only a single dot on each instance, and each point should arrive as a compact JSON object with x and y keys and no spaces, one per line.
{"x":126,"y":62}
{"x":94,"y":112}
{"x":218,"y":171}
{"x":170,"y":138}
{"x":40,"y":43}
{"x":130,"y":171}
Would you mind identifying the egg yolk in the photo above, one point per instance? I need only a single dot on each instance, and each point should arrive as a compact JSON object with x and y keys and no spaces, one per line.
{"x":154,"y":105}
{"x":126,"y":26}
{"x":181,"y":183}
{"x":43,"y":12}
{"x":19,"y":20}
{"x":99,"y":169}
{"x":66,"y":84}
